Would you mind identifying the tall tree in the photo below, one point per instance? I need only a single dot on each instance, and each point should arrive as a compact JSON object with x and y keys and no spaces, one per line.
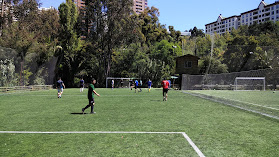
{"x":67,"y":63}
{"x":195,"y":32}
{"x":151,"y":29}
{"x":21,"y":35}
{"x":109,"y":26}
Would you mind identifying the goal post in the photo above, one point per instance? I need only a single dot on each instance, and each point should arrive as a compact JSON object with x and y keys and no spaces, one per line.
{"x":249,"y":83}
{"x":119,"y":82}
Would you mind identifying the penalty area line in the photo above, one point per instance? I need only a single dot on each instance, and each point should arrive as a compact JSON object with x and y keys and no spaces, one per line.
{"x":107,"y":132}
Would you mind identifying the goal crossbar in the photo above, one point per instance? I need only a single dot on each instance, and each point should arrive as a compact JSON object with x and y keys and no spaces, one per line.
{"x":248,"y":78}
{"x":117,"y":78}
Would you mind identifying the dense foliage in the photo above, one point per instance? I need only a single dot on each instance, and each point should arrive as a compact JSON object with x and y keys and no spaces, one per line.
{"x":107,"y":39}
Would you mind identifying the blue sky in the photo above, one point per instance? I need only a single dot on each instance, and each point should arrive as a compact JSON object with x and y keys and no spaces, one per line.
{"x":186,"y":14}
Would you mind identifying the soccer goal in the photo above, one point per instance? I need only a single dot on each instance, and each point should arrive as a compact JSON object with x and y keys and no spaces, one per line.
{"x":118,"y":82}
{"x":249,"y":83}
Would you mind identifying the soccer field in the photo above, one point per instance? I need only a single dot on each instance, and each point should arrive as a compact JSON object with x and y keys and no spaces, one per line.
{"x":261,"y":102}
{"x":131,"y":124}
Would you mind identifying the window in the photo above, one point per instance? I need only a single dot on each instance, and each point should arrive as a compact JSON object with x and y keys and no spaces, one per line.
{"x":188,"y":64}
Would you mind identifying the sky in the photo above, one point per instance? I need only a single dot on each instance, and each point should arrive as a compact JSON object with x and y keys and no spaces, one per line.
{"x":187,"y":14}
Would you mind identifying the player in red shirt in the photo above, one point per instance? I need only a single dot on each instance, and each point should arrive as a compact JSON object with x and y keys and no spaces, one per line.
{"x":165,"y":85}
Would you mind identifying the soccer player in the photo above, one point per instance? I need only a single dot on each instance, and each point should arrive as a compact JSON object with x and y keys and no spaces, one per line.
{"x":112,"y":84}
{"x":136,"y":85}
{"x":60,"y":86}
{"x":131,"y":84}
{"x":140,"y":85}
{"x":149,"y":83}
{"x":81,"y":82}
{"x":165,"y":85}
{"x":90,"y":95}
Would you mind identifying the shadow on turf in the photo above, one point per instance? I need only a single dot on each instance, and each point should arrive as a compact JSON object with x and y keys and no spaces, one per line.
{"x":156,"y":100}
{"x":79,"y":113}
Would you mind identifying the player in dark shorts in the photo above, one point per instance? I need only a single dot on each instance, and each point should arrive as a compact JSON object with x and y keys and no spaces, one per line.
{"x":131,"y":84}
{"x":165,"y":85}
{"x":136,"y":85}
{"x":149,"y":85}
{"x":81,"y":85}
{"x":60,"y":85}
{"x":90,"y":95}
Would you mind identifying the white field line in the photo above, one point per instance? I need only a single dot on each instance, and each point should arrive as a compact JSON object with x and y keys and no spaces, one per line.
{"x":108,"y":132}
{"x":86,"y":95}
{"x":229,"y":104}
{"x":263,"y":106}
{"x":15,"y":93}
{"x":193,"y":144}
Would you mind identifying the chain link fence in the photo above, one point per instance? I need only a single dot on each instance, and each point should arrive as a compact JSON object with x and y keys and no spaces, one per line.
{"x":226,"y":81}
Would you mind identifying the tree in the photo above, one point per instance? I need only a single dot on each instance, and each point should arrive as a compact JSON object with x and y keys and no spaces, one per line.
{"x":109,"y":26}
{"x":195,"y":32}
{"x":33,"y":35}
{"x":212,"y":66}
{"x":71,"y":45}
{"x":20,"y":35}
{"x":163,"y":59}
{"x":150,"y":27}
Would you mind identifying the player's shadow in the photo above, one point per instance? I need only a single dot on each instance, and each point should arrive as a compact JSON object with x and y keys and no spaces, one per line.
{"x":156,"y":100}
{"x":79,"y":113}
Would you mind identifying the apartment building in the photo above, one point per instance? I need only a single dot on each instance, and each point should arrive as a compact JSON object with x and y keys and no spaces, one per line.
{"x":80,"y":4}
{"x":264,"y":12}
{"x":3,"y":8}
{"x":46,"y":9}
{"x":6,"y":8}
{"x":139,"y":6}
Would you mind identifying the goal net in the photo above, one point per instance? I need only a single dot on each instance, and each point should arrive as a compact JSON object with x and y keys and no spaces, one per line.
{"x":118,"y":82}
{"x":249,"y":83}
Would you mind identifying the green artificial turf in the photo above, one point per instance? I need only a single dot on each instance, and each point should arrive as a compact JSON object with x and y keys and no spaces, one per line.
{"x":216,"y":129}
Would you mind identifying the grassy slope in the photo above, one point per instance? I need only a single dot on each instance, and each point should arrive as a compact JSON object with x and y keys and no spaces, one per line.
{"x":216,"y":129}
